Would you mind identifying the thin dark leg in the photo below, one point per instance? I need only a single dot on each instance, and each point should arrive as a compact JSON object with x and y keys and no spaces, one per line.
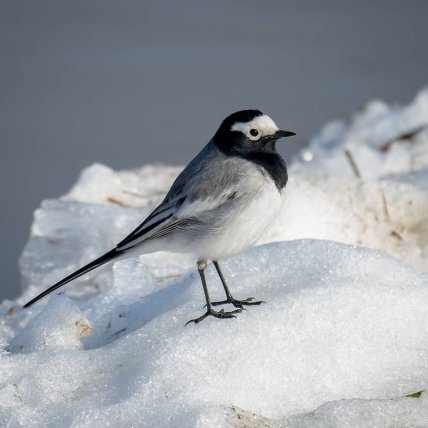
{"x":229,"y":298}
{"x":222,"y":279}
{"x":210,"y":311}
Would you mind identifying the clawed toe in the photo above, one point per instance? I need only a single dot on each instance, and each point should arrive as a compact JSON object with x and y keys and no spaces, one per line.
{"x":216,"y":314}
{"x":239,"y":303}
{"x":251,"y":301}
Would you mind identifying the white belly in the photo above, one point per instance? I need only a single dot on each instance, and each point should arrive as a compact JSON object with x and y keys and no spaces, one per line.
{"x":242,"y":230}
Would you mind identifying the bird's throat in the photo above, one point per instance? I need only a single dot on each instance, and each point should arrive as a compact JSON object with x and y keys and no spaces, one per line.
{"x":271,"y":164}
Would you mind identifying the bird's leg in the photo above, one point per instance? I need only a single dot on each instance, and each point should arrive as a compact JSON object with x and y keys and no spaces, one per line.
{"x":210,"y":311}
{"x":229,"y":298}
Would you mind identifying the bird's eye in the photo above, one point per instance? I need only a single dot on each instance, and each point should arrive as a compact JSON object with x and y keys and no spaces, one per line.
{"x":254,"y":132}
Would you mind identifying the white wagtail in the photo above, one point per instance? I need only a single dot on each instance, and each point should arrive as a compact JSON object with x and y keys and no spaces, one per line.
{"x":220,"y":204}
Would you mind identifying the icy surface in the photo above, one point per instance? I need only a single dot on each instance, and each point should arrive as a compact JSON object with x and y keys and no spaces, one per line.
{"x":60,"y":325}
{"x":340,"y":322}
{"x":341,"y":339}
{"x":382,"y":140}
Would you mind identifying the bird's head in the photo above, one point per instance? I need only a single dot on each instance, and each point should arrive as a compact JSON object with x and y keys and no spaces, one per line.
{"x":248,"y":131}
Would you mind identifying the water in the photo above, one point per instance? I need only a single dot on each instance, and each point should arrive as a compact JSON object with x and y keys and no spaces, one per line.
{"x":126,"y":83}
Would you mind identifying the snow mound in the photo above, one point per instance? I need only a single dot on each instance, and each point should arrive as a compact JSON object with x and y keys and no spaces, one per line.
{"x":339,"y":322}
{"x":389,"y":214}
{"x":364,"y":183}
{"x":340,"y":342}
{"x":380,"y":140}
{"x":60,"y":325}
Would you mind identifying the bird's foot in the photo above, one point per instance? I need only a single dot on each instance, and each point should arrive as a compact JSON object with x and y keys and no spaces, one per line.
{"x":238,"y":303}
{"x":216,"y":314}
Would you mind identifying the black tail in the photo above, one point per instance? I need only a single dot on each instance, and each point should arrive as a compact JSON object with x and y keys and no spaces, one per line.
{"x":90,"y":266}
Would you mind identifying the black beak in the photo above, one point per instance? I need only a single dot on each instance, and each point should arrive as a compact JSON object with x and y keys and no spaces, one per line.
{"x":281,"y":134}
{"x":278,"y":134}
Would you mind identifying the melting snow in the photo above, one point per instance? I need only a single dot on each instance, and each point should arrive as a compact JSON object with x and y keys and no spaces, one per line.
{"x":341,"y":339}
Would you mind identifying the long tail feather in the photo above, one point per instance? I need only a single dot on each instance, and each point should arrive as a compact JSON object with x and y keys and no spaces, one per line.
{"x":90,"y":266}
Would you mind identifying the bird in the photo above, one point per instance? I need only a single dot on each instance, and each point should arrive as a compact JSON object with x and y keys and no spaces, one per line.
{"x":218,"y":206}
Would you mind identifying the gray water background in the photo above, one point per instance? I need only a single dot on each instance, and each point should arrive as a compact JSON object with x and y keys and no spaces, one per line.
{"x":130,"y":82}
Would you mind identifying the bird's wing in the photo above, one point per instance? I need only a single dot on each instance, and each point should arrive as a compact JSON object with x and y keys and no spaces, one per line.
{"x":162,"y":216}
{"x":204,"y":185}
{"x":174,"y":214}
{"x":207,"y":183}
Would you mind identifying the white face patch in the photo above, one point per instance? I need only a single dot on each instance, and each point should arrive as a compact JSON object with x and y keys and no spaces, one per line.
{"x":264,"y":125}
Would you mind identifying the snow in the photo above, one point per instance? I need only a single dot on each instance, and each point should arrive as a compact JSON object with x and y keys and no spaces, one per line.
{"x":341,"y":339}
{"x":339,"y":322}
{"x":60,"y":325}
